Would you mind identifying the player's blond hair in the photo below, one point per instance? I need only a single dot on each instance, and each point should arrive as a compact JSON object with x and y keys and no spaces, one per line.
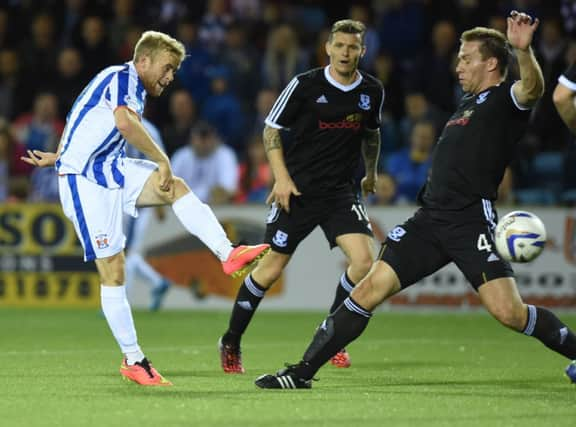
{"x":493,"y":44}
{"x":152,"y":42}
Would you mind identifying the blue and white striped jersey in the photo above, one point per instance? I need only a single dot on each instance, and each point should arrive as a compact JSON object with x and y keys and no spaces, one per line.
{"x":92,"y":145}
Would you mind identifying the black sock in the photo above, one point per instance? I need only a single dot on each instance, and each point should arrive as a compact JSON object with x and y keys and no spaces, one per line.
{"x":545,"y":326}
{"x":247,"y":300}
{"x":345,"y":286}
{"x":337,"y":330}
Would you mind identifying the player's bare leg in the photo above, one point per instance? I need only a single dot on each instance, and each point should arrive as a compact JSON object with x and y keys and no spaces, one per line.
{"x":199,"y":220}
{"x":501,"y":298}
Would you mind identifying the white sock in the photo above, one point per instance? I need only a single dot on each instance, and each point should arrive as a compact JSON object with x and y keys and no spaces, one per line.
{"x":199,"y":220}
{"x":119,"y":317}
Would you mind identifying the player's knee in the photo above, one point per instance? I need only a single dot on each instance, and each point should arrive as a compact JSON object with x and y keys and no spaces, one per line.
{"x":111,"y":270}
{"x":266,"y":273}
{"x":361,"y":265}
{"x":180,"y":188}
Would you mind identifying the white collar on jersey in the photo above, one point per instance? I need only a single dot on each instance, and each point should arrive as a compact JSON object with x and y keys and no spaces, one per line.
{"x":345,"y":88}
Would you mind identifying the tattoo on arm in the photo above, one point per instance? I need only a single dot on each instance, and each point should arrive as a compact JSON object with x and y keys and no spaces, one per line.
{"x":371,"y":149}
{"x":272,"y":140}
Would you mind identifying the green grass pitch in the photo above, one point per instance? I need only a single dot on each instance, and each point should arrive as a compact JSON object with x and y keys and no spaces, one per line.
{"x":60,"y":368}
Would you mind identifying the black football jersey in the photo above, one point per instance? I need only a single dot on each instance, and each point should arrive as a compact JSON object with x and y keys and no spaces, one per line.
{"x":327,"y":121}
{"x":474,"y":149}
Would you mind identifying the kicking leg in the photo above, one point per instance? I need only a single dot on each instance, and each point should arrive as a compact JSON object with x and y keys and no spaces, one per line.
{"x":199,"y":220}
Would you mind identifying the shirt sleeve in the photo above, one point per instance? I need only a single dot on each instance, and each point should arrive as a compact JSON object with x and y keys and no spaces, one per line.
{"x":285,"y":110}
{"x":568,"y":79}
{"x":513,"y":102}
{"x":375,"y":119}
{"x":123,"y":93}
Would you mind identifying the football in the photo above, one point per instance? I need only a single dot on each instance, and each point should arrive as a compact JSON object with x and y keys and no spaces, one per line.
{"x":520,"y":236}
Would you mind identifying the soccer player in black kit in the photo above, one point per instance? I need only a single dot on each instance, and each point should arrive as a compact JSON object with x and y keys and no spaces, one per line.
{"x":457,"y":218}
{"x":564,"y":99}
{"x":333,"y":114}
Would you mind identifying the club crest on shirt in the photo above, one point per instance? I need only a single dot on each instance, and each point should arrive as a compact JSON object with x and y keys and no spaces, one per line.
{"x":102,"y":241}
{"x":364,"y":102}
{"x":280,"y":239}
{"x":482,"y":97}
{"x":135,"y":104}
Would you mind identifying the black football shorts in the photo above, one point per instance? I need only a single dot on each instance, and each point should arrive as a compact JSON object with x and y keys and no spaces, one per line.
{"x":336,"y":215}
{"x":430,"y":240}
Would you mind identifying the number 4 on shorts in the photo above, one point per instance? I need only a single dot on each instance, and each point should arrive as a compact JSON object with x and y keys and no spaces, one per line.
{"x":483,"y":244}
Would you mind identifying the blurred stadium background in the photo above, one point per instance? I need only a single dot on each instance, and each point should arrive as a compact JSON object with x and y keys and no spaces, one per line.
{"x":241,"y":55}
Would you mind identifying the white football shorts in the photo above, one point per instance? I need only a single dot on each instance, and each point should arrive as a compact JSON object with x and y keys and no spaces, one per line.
{"x":97,"y":211}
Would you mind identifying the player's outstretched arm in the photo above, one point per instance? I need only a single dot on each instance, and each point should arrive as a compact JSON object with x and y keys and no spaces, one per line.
{"x":520,"y":31}
{"x":283,"y":187}
{"x":370,"y":152}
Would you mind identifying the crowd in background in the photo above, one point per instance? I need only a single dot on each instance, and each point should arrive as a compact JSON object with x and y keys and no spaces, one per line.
{"x":241,"y":54}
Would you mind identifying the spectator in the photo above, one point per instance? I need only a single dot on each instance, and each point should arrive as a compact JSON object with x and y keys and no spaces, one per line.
{"x":246,"y":10}
{"x":319,"y":58}
{"x":39,"y":51}
{"x":41,"y":129}
{"x":255,"y":176}
{"x":243,"y":62}
{"x":283,"y":57}
{"x":264,"y":102}
{"x":120,"y":23}
{"x":6,"y":35}
{"x":362,"y":13}
{"x":396,"y":17}
{"x":384,"y":192}
{"x":69,"y":21}
{"x":409,"y":166}
{"x":182,"y":117}
{"x":212,"y":30}
{"x":417,"y":109}
{"x":13,"y":172}
{"x":388,"y":72}
{"x":94,"y":45}
{"x":222,"y":109}
{"x":15,"y":88}
{"x":546,"y":124}
{"x":192,"y":73}
{"x":43,"y":186}
{"x":433,"y":71}
{"x":131,"y":36}
{"x":209,"y":167}
{"x":70,"y":78}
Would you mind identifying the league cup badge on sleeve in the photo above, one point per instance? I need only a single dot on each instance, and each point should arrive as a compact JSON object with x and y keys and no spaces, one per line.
{"x":520,"y":236}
